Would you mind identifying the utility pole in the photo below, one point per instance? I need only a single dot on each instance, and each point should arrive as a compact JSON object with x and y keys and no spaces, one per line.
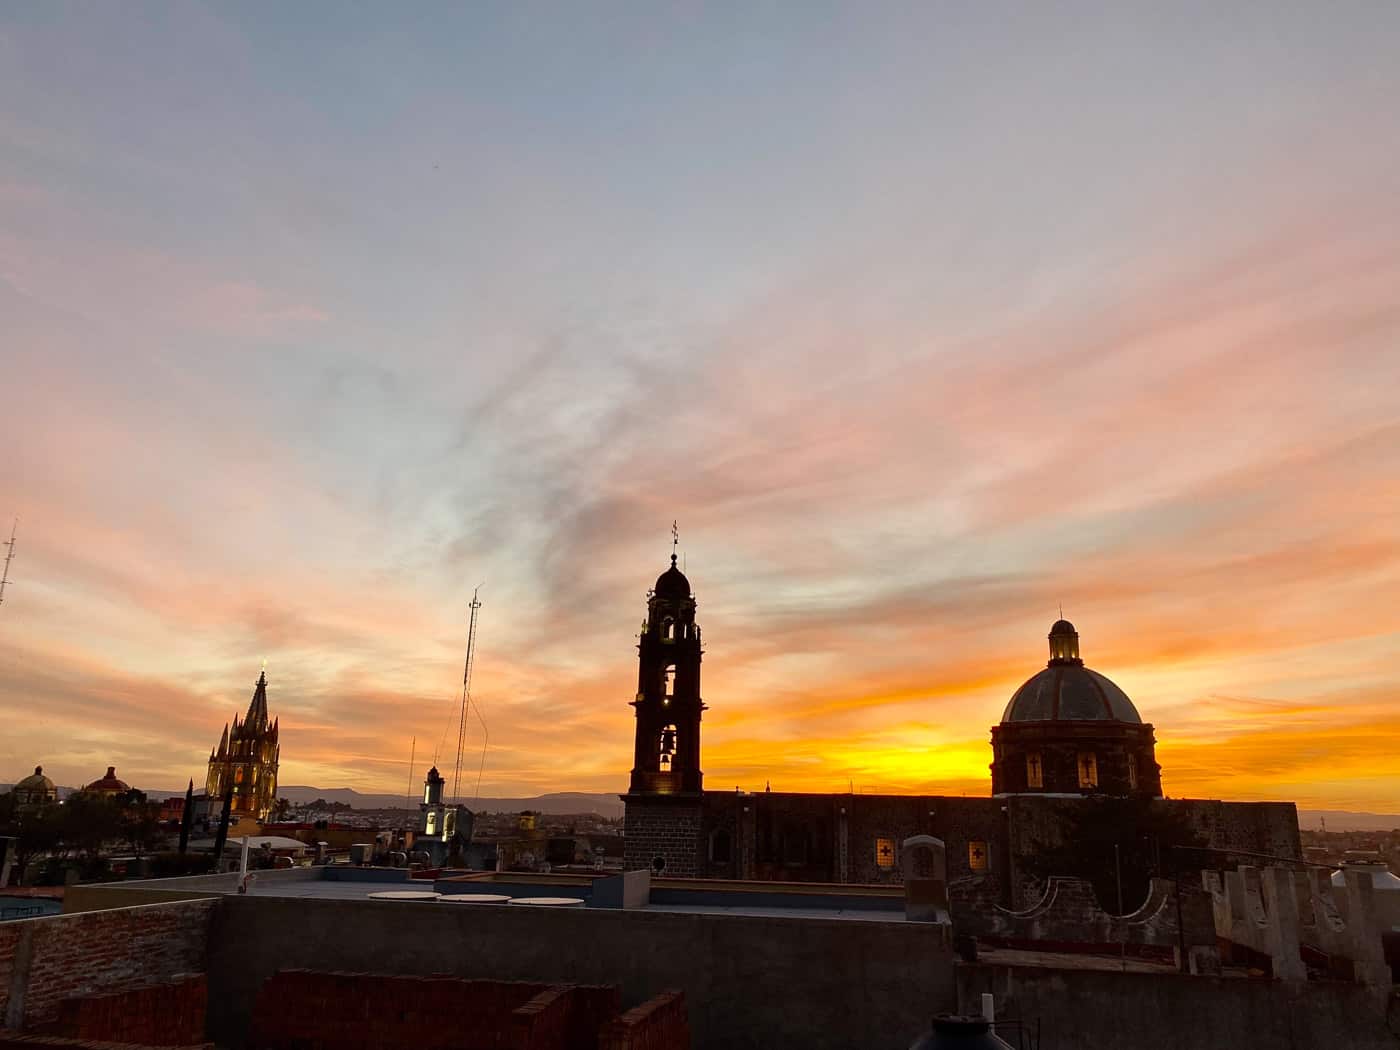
{"x":9,"y":557}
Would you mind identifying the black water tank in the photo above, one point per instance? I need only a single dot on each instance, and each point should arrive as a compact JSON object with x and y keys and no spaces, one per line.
{"x":961,"y":1033}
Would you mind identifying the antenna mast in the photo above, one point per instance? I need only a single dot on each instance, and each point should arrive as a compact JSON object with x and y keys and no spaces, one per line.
{"x":9,"y":557}
{"x":466,"y":699}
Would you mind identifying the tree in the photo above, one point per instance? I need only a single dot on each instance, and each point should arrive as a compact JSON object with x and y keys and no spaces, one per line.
{"x":35,"y":831}
{"x":1151,"y":841}
{"x":281,"y":809}
{"x":187,"y":817}
{"x":141,"y":828}
{"x":87,"y":823}
{"x":222,"y":837}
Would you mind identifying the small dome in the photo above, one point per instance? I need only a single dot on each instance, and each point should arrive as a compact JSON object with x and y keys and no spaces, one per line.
{"x":36,"y":781}
{"x":1062,"y":627}
{"x":108,"y":783}
{"x":672,"y":583}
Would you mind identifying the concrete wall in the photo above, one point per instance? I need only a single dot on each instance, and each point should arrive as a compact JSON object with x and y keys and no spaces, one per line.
{"x":45,"y":961}
{"x":1091,"y":1009}
{"x":749,"y":982}
{"x":99,"y":896}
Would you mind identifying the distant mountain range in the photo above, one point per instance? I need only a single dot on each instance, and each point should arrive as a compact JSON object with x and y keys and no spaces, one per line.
{"x":555,"y":803}
{"x":1341,"y":820}
{"x":609,"y":805}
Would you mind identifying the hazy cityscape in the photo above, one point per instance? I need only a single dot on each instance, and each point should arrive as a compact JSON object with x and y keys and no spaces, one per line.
{"x":715,"y":527}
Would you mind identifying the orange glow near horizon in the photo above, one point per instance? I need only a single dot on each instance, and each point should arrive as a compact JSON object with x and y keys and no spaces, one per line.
{"x":298,"y":348}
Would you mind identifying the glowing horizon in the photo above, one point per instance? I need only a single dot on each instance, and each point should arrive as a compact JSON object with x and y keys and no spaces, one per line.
{"x":921,"y":323}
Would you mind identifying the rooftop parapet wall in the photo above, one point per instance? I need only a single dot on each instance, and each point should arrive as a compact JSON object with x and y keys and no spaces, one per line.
{"x":741,"y":974}
{"x":1279,"y":912}
{"x":1081,"y":1009}
{"x":658,"y":1024}
{"x":47,"y":960}
{"x":301,"y":1009}
{"x":1069,"y":916}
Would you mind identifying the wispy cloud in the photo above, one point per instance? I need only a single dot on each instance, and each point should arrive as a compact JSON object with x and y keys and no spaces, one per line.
{"x":297,"y":356}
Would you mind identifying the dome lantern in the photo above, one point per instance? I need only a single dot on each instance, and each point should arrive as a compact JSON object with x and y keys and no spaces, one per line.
{"x":1064,"y":644}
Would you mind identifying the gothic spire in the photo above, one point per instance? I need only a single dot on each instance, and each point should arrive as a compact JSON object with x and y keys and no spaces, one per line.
{"x":257,"y":709}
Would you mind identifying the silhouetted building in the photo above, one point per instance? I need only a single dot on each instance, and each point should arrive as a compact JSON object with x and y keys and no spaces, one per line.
{"x":444,"y":829}
{"x":1070,"y":730}
{"x":247,"y":758}
{"x":108,"y":786}
{"x":667,"y":758}
{"x":1067,"y":735}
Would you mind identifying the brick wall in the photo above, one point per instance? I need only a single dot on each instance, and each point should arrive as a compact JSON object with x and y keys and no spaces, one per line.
{"x":170,"y":1014}
{"x":15,"y":1041}
{"x":45,"y":961}
{"x":9,"y":947}
{"x":658,"y":1024}
{"x":307,"y":1010}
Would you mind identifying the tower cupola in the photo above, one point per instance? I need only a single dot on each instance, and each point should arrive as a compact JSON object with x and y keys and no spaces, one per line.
{"x":1064,"y":644}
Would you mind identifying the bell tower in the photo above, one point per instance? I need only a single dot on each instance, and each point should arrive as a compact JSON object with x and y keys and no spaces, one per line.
{"x":665,"y":801}
{"x":666,"y":760}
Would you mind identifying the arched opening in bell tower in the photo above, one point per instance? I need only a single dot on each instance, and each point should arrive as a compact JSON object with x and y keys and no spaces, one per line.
{"x":666,"y":752}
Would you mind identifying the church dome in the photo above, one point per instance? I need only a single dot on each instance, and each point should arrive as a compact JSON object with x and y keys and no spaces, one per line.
{"x":672,"y":583}
{"x":1067,"y":691}
{"x":109,"y":784}
{"x":37,"y":783}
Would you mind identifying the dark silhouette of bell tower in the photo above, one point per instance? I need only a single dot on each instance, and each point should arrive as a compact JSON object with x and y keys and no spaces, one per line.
{"x":668,"y":704}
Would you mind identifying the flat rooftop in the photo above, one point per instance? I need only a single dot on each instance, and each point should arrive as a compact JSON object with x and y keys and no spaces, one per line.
{"x":341,"y":882}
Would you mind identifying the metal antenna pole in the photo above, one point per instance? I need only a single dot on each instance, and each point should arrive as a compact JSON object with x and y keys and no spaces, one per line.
{"x":9,"y":557}
{"x":485,"y":739}
{"x":412,"y":754}
{"x":466,"y":702}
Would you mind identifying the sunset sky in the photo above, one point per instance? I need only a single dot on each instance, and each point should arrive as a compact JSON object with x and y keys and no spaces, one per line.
{"x":922,"y":320}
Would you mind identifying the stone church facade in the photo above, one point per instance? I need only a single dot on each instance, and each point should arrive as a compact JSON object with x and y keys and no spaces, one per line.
{"x":1067,"y":735}
{"x":245,"y":762}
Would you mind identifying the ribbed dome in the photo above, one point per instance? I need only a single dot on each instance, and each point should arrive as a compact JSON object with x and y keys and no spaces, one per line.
{"x":1070,"y":692}
{"x":672,"y":583}
{"x":36,"y":781}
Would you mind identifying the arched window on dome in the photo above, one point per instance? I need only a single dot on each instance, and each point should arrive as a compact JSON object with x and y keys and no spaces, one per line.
{"x":1088,"y":769}
{"x":1035,"y":772}
{"x":1132,"y":771}
{"x":668,"y":630}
